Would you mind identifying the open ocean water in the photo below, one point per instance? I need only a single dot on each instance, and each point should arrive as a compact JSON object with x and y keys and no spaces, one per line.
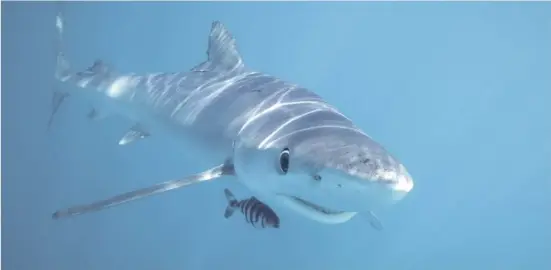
{"x":460,"y":92}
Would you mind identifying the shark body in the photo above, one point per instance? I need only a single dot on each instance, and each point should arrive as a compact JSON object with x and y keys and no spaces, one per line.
{"x":282,"y":141}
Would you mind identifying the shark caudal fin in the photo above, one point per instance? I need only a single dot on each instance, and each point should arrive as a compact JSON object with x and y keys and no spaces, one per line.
{"x":231,"y":203}
{"x":222,"y":52}
{"x":62,"y":67}
{"x":97,"y":75}
{"x":63,"y":71}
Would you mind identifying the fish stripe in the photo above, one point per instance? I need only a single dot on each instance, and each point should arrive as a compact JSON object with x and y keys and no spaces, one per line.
{"x":257,"y":213}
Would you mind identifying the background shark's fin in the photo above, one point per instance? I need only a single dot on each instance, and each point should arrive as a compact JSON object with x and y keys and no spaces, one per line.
{"x":135,"y":133}
{"x":222,"y":52}
{"x":216,"y":172}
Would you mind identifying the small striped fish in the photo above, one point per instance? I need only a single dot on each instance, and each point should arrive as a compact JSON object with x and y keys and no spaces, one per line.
{"x":256,"y":213}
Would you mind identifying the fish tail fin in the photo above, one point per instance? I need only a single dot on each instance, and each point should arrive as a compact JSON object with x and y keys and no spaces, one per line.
{"x":231,"y":203}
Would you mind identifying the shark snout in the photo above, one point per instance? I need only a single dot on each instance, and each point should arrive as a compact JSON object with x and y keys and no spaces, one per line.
{"x":402,"y":184}
{"x":388,"y":186}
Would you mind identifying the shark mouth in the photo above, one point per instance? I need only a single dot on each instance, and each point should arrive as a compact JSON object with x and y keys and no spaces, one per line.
{"x":316,"y":207}
{"x":317,"y":212}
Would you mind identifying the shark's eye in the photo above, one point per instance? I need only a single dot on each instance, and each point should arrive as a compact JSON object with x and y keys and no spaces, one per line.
{"x":284,"y":161}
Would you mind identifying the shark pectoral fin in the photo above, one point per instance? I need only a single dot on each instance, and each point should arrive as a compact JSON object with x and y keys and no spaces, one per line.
{"x":213,"y":173}
{"x":374,"y":221}
{"x":135,"y":133}
{"x":222,"y":52}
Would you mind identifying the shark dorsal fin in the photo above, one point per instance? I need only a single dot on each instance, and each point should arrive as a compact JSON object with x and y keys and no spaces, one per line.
{"x":222,"y":52}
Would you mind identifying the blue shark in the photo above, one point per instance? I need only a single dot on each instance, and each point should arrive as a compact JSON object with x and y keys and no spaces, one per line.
{"x":283,"y":142}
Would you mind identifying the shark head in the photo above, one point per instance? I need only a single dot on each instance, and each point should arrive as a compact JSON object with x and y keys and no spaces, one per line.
{"x":325,"y":177}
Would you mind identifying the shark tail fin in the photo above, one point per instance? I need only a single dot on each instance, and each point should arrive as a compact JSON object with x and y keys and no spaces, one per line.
{"x":231,"y":203}
{"x":222,"y":52}
{"x":64,"y":71}
{"x":93,"y":76}
{"x":63,"y":67}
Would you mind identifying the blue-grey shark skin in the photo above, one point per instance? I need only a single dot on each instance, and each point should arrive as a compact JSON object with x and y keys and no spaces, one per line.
{"x":245,"y":120}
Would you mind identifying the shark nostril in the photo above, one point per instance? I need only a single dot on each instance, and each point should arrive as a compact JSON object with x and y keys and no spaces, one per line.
{"x":339,"y":185}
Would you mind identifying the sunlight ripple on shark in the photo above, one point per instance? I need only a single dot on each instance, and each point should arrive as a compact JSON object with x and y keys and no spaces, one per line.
{"x":283,"y":142}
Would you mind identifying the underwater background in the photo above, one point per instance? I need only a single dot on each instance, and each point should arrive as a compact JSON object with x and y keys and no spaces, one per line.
{"x":460,"y":92}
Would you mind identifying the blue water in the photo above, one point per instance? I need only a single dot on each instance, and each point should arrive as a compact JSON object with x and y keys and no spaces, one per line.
{"x":460,"y":92}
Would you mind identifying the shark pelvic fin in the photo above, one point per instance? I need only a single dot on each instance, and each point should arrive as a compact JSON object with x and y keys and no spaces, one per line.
{"x":222,"y":52}
{"x":135,"y":133}
{"x":96,"y":114}
{"x":98,"y":67}
{"x":213,"y":173}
